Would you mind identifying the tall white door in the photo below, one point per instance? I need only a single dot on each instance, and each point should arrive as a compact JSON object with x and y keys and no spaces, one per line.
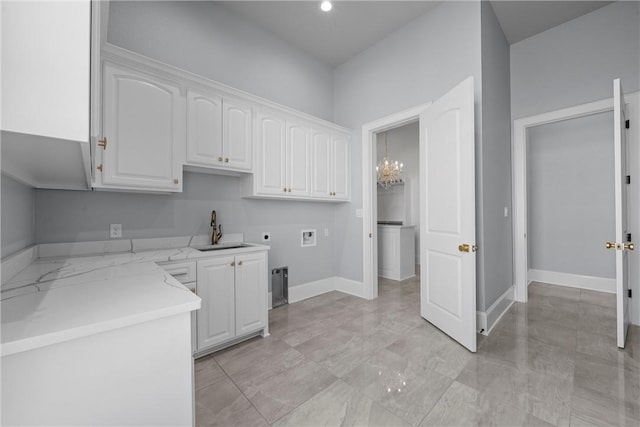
{"x":621,"y":245}
{"x":447,"y":217}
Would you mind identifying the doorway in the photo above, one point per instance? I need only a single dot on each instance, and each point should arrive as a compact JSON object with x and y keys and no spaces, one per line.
{"x":398,"y":202}
{"x":447,"y":210}
{"x":520,"y":196}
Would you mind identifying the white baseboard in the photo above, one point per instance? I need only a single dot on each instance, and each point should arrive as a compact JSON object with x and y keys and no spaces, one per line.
{"x":311,"y":289}
{"x":350,"y":287}
{"x":319,"y":287}
{"x":486,"y":320}
{"x":600,"y":284}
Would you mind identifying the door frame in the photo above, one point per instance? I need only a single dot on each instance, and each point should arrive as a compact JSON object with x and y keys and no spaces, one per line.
{"x":369,"y":191}
{"x":519,"y":178}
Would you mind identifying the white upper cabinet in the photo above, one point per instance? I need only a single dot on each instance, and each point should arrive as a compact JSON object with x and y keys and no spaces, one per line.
{"x":331,"y":165}
{"x":341,"y":167}
{"x":45,"y":68}
{"x":298,"y":160}
{"x":236,"y":134}
{"x":219,"y":132}
{"x":45,"y":71}
{"x":204,"y":129}
{"x":143,"y":132}
{"x":270,"y":175}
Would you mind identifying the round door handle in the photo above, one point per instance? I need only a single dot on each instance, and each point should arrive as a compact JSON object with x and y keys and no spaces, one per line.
{"x":629,"y":246}
{"x":609,"y":245}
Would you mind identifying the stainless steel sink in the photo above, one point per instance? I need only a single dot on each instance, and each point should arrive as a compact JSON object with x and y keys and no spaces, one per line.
{"x":222,"y":246}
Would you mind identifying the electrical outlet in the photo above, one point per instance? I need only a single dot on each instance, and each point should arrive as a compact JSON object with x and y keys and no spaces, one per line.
{"x":266,"y":236}
{"x":115,"y":231}
{"x":326,"y":232}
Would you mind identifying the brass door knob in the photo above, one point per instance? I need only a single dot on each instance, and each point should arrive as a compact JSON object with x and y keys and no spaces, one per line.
{"x":464,"y":247}
{"x":629,"y":246}
{"x":610,"y":245}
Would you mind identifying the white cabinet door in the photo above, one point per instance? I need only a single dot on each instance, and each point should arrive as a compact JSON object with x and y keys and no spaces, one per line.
{"x":298,"y":160}
{"x":321,"y":169}
{"x":144,"y":126}
{"x":216,"y":317}
{"x":271,"y":137}
{"x":204,"y":129}
{"x":341,"y":167}
{"x":251,"y":293}
{"x":45,"y":68}
{"x":237,"y":136}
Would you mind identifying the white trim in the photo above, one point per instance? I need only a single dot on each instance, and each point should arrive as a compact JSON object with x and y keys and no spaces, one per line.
{"x":370,"y":196}
{"x":350,"y":287}
{"x":322,"y":286}
{"x":519,"y":173}
{"x":601,"y":284}
{"x":311,"y":289}
{"x":487,"y":320}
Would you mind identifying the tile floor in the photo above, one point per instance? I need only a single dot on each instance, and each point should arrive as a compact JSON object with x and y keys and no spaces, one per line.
{"x":340,"y":360}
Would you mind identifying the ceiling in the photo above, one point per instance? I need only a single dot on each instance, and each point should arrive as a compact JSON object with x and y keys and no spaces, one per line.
{"x":353,"y":26}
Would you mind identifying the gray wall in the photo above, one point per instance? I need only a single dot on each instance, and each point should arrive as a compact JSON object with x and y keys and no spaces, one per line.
{"x":404,"y":146}
{"x":496,"y":241}
{"x":570,"y":196}
{"x":576,"y":62}
{"x":18,"y":213}
{"x":71,"y":216}
{"x":414,"y":65}
{"x":208,"y":39}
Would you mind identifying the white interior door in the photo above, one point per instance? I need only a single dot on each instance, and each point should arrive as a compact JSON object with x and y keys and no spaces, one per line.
{"x":621,"y":246}
{"x":447,"y":217}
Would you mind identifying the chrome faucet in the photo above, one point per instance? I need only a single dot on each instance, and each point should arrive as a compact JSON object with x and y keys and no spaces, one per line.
{"x":217,"y":229}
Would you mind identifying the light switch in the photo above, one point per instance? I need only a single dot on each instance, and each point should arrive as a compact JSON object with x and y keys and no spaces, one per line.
{"x":506,"y":212}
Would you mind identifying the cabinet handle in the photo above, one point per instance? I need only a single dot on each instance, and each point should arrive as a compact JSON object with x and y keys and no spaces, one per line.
{"x":219,"y":159}
{"x":289,"y":190}
{"x":226,"y":160}
{"x":284,"y":189}
{"x":103,"y":143}
{"x":193,"y":290}
{"x":175,"y":181}
{"x":99,"y":167}
{"x":233,"y":263}
{"x":239,"y":262}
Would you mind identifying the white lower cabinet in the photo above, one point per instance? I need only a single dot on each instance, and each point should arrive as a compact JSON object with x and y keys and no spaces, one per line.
{"x":396,"y":251}
{"x":234,"y":298}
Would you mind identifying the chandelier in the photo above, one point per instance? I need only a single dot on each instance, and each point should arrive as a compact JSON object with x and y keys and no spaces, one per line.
{"x":389,"y":172}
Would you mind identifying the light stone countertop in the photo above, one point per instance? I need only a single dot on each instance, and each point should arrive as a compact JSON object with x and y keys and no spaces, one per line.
{"x":53,"y":293}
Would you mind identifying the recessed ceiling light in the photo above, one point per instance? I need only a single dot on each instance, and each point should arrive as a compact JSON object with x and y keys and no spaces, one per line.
{"x":326,"y":6}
